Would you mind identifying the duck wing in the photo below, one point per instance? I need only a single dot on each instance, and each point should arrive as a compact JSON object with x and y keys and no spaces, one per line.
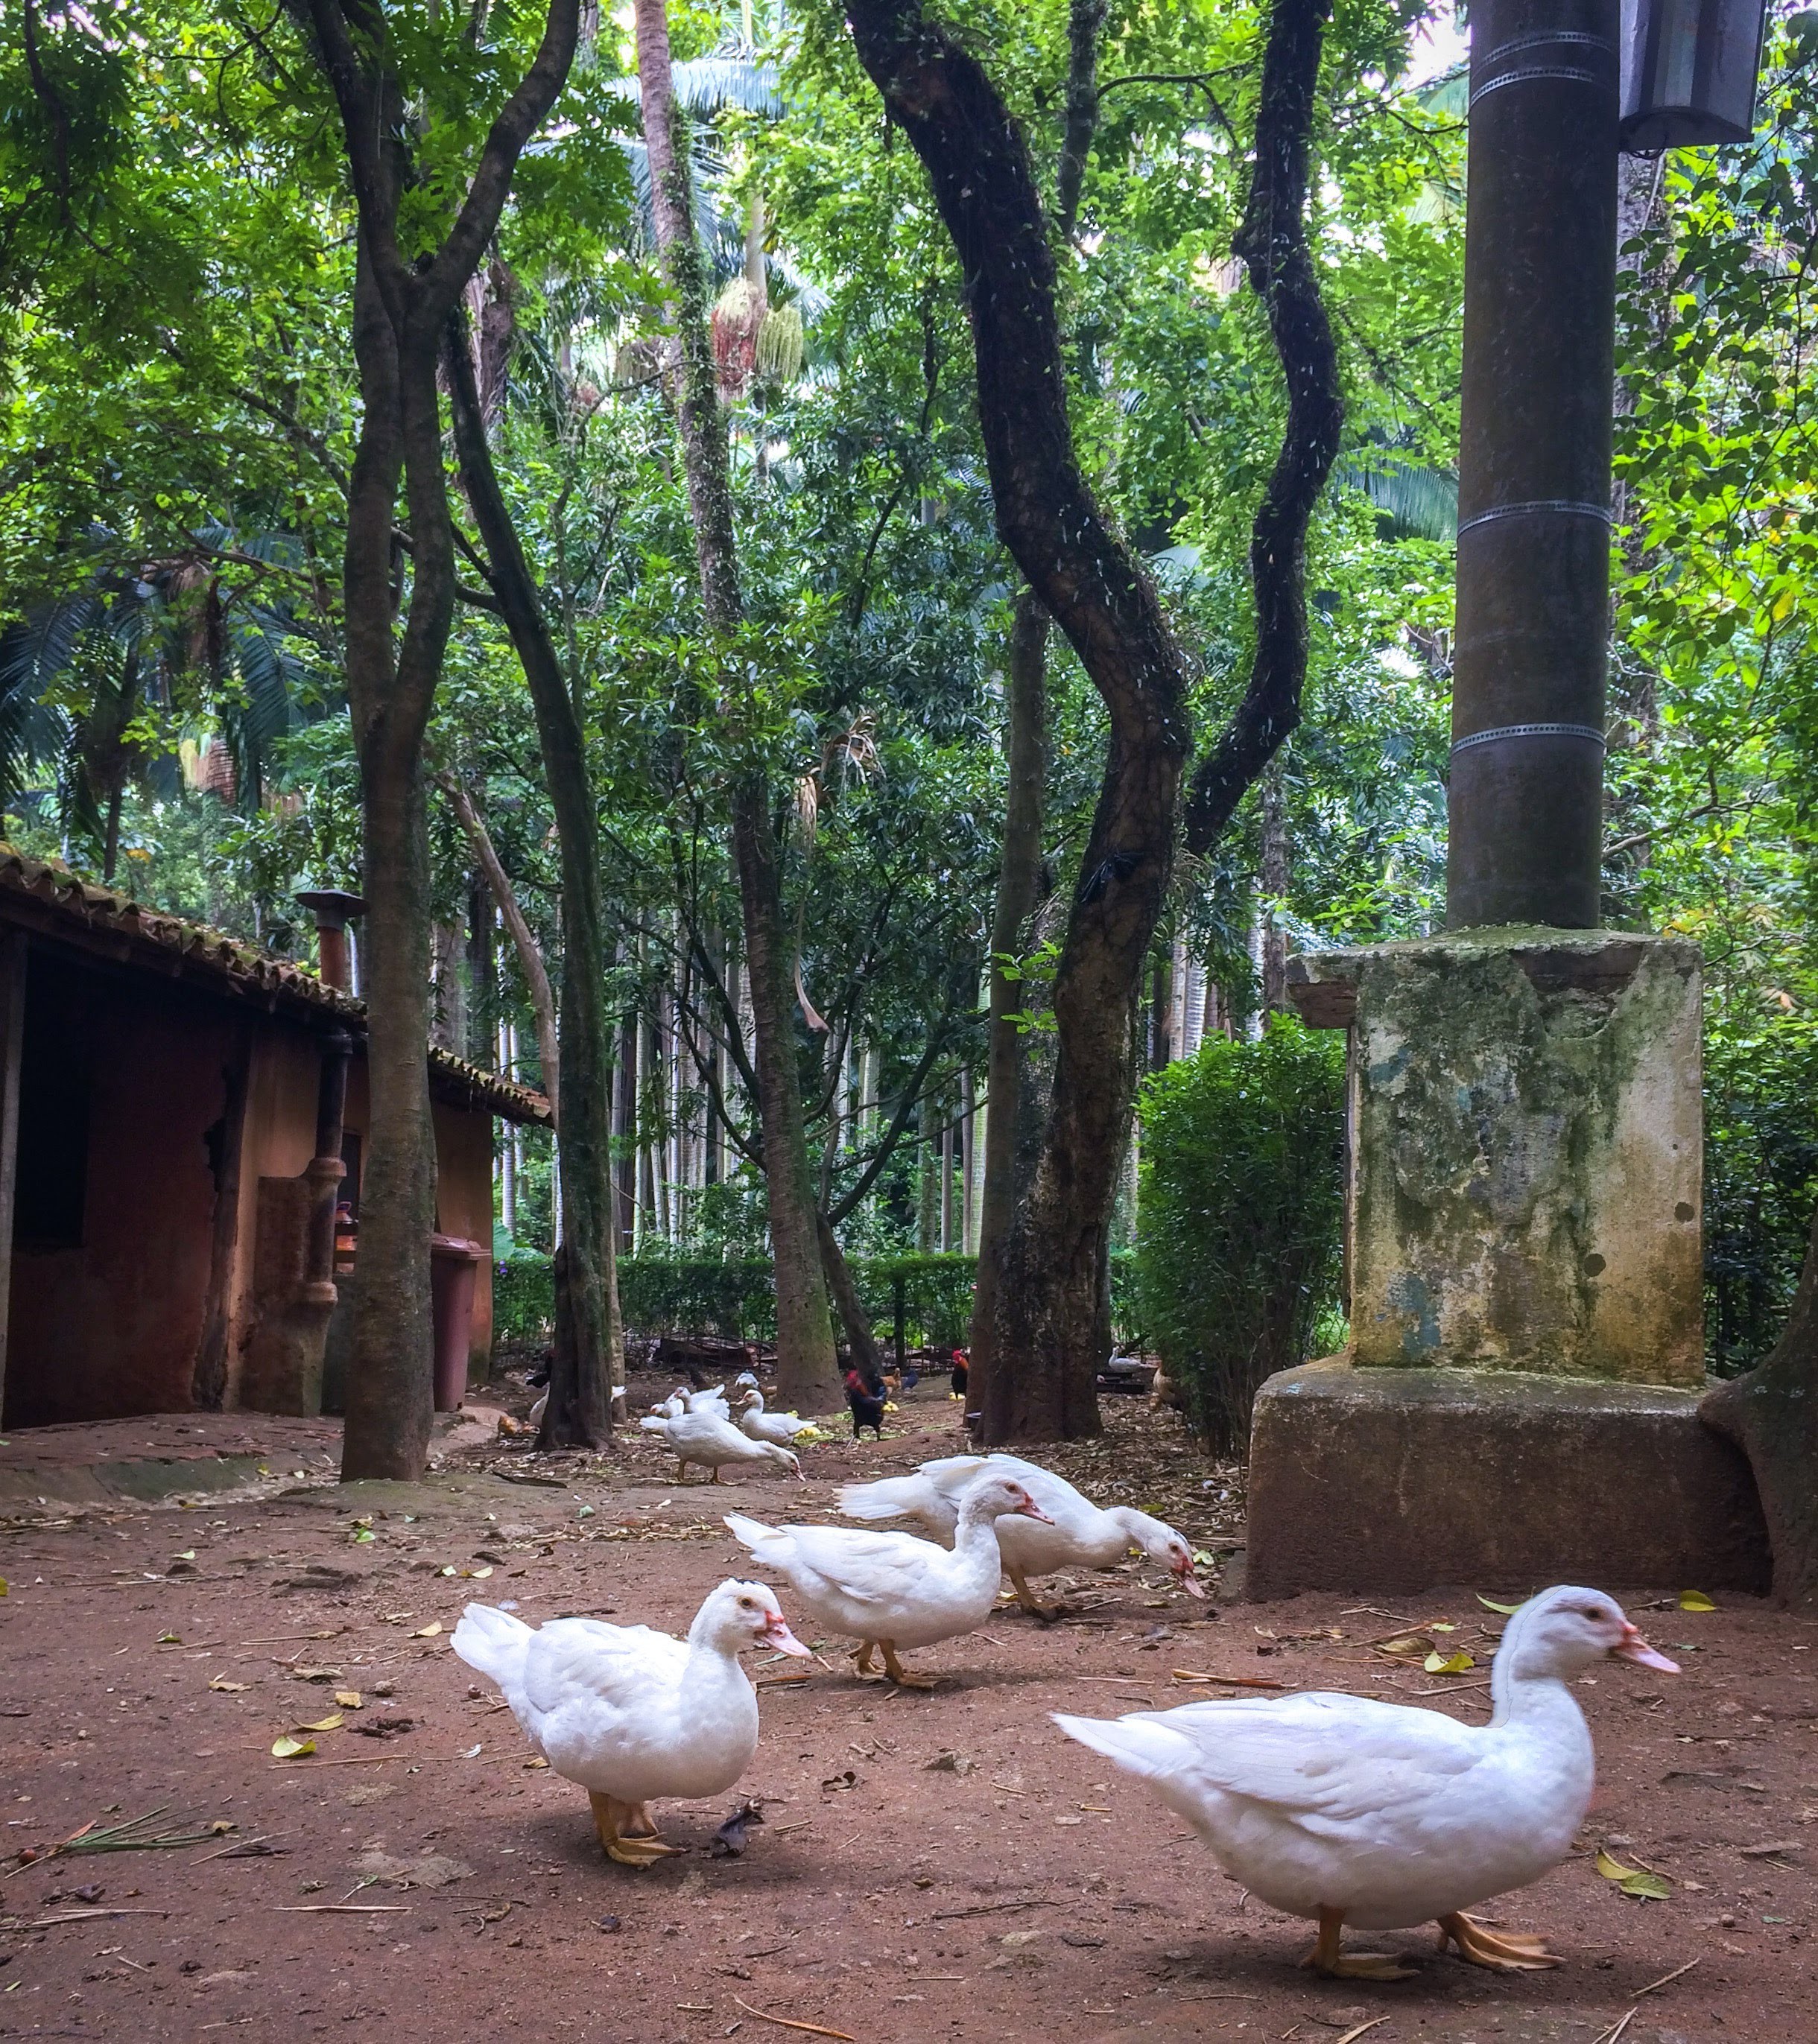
{"x":867,"y":1567}
{"x":1323,"y":1757}
{"x":614,"y":1667}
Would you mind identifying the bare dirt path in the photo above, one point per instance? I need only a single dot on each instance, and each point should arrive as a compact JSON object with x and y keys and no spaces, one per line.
{"x":940,"y":1866}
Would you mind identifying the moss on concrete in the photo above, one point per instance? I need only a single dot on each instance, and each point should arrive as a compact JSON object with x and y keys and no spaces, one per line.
{"x":1525,"y":1177}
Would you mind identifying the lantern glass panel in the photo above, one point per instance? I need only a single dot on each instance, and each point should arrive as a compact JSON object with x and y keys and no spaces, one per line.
{"x":1689,"y":70}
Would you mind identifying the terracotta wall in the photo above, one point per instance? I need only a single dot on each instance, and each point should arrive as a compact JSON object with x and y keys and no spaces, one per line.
{"x":108,"y":1325}
{"x":463,"y":1207}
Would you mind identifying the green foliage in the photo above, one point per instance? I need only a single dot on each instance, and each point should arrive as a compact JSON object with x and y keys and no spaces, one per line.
{"x":736,"y":1299}
{"x":1238,"y":1214}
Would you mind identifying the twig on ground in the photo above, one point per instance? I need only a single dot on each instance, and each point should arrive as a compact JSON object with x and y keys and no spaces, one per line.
{"x":1665,"y":1978}
{"x":785,"y":2023}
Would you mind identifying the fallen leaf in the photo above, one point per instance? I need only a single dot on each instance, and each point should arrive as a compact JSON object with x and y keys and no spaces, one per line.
{"x":349,"y":1700}
{"x":1489,"y":1604}
{"x":331,"y":1723}
{"x":834,"y":1782}
{"x":188,"y":1555}
{"x":447,"y":1571}
{"x":364,"y":1534}
{"x":428,"y":1631}
{"x":4,"y":1587}
{"x":288,"y":1748}
{"x":948,"y":1763}
{"x":168,"y":1640}
{"x":228,"y":1689}
{"x":1448,"y":1664}
{"x":478,"y":1574}
{"x":1695,"y":1600}
{"x":1634,"y":1880}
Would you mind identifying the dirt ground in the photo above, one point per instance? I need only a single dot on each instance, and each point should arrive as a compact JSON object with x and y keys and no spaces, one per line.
{"x":938,"y":1865}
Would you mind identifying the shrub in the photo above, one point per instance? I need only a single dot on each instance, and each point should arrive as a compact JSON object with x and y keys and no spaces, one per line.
{"x":1238,"y":1213}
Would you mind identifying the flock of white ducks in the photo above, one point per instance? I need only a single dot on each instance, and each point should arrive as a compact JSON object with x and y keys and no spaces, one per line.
{"x":1333,"y":1807}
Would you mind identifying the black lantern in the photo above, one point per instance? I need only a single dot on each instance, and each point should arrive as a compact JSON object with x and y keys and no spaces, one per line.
{"x":1689,"y":71}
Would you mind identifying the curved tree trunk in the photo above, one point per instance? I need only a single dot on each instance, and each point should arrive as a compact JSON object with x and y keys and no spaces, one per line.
{"x":1044,"y":1358}
{"x":1772,"y":1415}
{"x":590,"y":1344}
{"x":1051,"y":1314}
{"x":808,"y":1376}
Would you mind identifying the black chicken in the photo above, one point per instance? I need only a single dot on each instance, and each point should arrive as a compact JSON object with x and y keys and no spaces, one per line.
{"x":867,"y":1403}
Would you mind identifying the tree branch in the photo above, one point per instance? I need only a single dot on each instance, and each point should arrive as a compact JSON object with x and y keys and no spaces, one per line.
{"x":1272,"y":242}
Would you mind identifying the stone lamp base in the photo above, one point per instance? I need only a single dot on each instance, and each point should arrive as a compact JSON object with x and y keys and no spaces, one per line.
{"x":1518,"y":1403}
{"x":1394,"y":1481}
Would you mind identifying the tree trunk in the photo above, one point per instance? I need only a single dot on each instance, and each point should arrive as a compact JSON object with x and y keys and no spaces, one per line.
{"x":401,"y":307}
{"x":808,"y":1375}
{"x":1046,"y":1359}
{"x":853,"y":1318}
{"x":589,"y":1361}
{"x":1772,"y":1415}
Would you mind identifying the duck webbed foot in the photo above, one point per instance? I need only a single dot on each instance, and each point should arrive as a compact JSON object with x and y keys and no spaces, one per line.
{"x":900,"y":1675}
{"x":628,"y":1832}
{"x":1326,"y":1957}
{"x":1027,"y":1599}
{"x":863,"y":1665}
{"x":1501,"y":1951}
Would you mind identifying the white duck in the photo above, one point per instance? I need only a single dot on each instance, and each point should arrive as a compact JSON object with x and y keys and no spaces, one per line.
{"x":1079,"y":1535}
{"x":890,"y":1590}
{"x":630,"y":1713}
{"x":711,"y":1439}
{"x":712,"y":1400}
{"x":1348,"y":1809}
{"x":673,"y":1407}
{"x":781,"y":1427}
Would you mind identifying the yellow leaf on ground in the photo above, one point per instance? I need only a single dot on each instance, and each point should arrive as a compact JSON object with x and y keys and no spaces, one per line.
{"x":331,"y":1723}
{"x":227,"y":1688}
{"x":1448,"y":1664}
{"x":288,"y":1748}
{"x":4,"y":1587}
{"x":427,"y":1631}
{"x":480,"y":1573}
{"x":169,"y":1639}
{"x":1490,"y":1604}
{"x":349,"y":1700}
{"x":1633,"y":1880}
{"x":1695,"y":1600}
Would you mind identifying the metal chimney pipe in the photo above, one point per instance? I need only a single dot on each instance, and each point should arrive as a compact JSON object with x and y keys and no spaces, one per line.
{"x":333,"y":908}
{"x":1526,"y":803}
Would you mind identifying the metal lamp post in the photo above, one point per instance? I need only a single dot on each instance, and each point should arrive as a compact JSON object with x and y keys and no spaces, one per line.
{"x":1688,"y":69}
{"x":1557,"y":88}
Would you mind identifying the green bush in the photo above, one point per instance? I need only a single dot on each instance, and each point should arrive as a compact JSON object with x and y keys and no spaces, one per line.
{"x":522,"y":1299}
{"x":736,"y":1300}
{"x":1238,"y":1213}
{"x":1761,"y":1179}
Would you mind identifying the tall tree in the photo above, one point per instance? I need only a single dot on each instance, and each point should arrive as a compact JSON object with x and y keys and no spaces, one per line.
{"x":1052,"y":1312}
{"x":404,"y":291}
{"x":807,"y":1375}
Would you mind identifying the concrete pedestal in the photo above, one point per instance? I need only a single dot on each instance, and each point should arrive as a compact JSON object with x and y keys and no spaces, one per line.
{"x":1518,"y":1405}
{"x":1392,"y":1480}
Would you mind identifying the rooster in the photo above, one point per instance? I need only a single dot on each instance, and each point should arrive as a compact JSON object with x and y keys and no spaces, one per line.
{"x":867,"y":1403}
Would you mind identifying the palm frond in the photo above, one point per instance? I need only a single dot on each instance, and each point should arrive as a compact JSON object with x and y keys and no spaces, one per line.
{"x":1419,"y":502}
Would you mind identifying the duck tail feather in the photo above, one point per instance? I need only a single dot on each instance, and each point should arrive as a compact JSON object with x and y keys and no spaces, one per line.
{"x":1138,"y":1745}
{"x":888,"y":1497}
{"x":752,"y":1532}
{"x":492,"y":1642}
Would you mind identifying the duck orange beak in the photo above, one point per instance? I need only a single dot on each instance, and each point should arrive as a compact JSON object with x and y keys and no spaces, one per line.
{"x":1187,"y":1580}
{"x":777,"y":1634}
{"x":1636,"y":1649}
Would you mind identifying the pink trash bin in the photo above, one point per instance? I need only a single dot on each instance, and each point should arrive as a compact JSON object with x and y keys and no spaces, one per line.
{"x":454,"y":1264}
